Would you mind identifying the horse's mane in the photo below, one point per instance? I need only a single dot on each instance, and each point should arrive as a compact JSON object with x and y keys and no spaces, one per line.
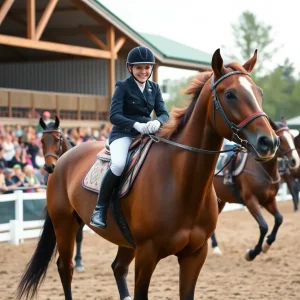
{"x":180,"y":116}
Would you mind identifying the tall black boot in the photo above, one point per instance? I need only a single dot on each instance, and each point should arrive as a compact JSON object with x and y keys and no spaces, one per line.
{"x":108,"y":185}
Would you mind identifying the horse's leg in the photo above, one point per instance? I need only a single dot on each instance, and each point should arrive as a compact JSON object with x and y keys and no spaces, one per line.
{"x":254,"y":209}
{"x":120,"y":268}
{"x":65,"y":228}
{"x":272,"y":209}
{"x":190,"y":266}
{"x":146,"y":260}
{"x":214,"y":245}
{"x":293,"y":188}
{"x":78,"y":263}
{"x":214,"y":242}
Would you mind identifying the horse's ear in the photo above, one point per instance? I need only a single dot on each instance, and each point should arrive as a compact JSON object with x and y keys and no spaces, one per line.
{"x":217,"y":64}
{"x":249,"y":65}
{"x":56,"y":125}
{"x":43,"y":124}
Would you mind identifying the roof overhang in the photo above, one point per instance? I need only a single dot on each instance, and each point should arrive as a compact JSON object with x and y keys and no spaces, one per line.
{"x":168,"y":62}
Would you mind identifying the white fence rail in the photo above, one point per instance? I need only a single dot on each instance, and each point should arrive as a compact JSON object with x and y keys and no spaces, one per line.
{"x":17,"y":229}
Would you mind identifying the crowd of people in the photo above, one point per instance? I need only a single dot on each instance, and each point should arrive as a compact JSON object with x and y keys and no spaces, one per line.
{"x":21,"y":154}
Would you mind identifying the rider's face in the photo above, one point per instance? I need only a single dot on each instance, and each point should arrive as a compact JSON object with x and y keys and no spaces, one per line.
{"x":141,"y":72}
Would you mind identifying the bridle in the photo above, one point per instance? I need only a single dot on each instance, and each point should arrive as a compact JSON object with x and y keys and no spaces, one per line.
{"x":291,"y":149}
{"x":235,"y":129}
{"x":217,"y":106}
{"x":59,"y":131}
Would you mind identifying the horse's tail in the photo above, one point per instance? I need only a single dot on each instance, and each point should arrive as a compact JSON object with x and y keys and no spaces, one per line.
{"x":37,"y":267}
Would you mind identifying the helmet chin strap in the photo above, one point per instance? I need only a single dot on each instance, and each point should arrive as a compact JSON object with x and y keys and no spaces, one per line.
{"x":137,"y":79}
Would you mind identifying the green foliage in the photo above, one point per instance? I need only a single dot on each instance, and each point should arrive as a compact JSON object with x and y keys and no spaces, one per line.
{"x":281,"y":88}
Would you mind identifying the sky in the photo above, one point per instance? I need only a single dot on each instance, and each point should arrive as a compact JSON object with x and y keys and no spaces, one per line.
{"x":206,"y":25}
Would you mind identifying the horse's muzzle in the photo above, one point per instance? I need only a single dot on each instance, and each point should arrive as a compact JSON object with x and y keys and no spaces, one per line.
{"x":50,"y":168}
{"x":266,"y":145}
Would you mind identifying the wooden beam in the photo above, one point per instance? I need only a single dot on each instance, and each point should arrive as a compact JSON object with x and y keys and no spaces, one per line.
{"x":45,"y":18}
{"x":110,"y":40}
{"x":155,"y":73}
{"x":5,"y":8}
{"x":54,"y":47}
{"x":93,"y":38}
{"x":119,"y":44}
{"x":31,"y":19}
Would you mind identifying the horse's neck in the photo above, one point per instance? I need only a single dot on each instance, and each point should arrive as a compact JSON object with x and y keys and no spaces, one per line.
{"x":198,"y":168}
{"x":66,"y":145}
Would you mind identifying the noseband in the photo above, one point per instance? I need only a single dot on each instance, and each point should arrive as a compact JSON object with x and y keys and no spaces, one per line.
{"x":217,"y":106}
{"x":60,"y":143}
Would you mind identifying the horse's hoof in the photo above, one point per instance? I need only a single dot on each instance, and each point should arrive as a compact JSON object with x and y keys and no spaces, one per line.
{"x":217,"y":251}
{"x":247,"y":255}
{"x":127,"y":298}
{"x":79,"y":268}
{"x":265,"y":247}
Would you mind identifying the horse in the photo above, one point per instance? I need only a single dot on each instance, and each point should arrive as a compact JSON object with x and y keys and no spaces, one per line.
{"x":52,"y":134}
{"x":256,"y":186}
{"x":172,"y":207}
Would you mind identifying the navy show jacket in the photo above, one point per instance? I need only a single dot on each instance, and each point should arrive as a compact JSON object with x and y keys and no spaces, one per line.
{"x":130,"y":105}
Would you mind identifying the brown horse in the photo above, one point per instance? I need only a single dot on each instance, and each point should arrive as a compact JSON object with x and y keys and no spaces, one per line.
{"x":172,"y":206}
{"x":292,"y":177}
{"x":257,"y":186}
{"x":56,"y":144}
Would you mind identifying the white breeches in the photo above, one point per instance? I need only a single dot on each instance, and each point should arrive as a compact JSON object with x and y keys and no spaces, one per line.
{"x":118,"y":151}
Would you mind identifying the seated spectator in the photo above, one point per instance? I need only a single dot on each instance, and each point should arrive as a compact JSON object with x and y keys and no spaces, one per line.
{"x":39,"y":159}
{"x":19,"y":177}
{"x":8,"y":148}
{"x":3,"y":187}
{"x":18,"y":131}
{"x":42,"y":175}
{"x":31,"y":179}
{"x":19,"y":158}
{"x":11,"y":185}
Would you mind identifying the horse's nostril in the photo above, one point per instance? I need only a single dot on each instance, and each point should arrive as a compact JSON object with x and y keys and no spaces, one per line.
{"x":265,"y":144}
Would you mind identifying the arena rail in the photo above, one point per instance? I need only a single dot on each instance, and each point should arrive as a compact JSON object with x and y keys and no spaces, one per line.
{"x":17,"y":229}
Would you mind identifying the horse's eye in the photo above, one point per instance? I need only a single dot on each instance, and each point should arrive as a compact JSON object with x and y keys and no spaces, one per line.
{"x":229,"y":96}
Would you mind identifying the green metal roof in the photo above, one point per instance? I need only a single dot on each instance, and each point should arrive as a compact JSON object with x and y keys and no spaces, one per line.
{"x":166,"y":47}
{"x":171,"y":49}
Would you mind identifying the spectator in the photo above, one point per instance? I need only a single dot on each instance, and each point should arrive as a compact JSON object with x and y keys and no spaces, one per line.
{"x":3,"y":188}
{"x":41,"y":175}
{"x":2,"y":160}
{"x":19,"y":158}
{"x":31,"y":179}
{"x":9,"y":182}
{"x":46,"y":117}
{"x":8,"y":148}
{"x":18,"y":131}
{"x":19,"y":177}
{"x":39,"y":159}
{"x":32,"y":150}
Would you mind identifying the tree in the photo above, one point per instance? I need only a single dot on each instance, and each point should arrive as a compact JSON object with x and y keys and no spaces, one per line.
{"x":250,"y":34}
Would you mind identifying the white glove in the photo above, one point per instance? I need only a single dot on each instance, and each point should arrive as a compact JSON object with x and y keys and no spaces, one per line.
{"x":141,"y":127}
{"x":153,"y":126}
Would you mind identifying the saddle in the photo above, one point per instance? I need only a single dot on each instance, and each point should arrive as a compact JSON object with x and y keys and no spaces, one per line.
{"x":240,"y":163}
{"x":137,"y":153}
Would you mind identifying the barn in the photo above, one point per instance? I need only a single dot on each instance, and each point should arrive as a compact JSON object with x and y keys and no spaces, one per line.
{"x":65,"y":56}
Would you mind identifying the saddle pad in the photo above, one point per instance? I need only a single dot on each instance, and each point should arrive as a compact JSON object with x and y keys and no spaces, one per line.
{"x":239,"y":165}
{"x":93,"y":177}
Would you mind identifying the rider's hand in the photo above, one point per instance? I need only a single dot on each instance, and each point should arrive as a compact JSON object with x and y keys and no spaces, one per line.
{"x":153,"y":126}
{"x":141,"y":127}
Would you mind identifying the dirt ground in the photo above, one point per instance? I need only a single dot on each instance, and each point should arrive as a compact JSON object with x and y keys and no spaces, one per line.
{"x":275,"y":275}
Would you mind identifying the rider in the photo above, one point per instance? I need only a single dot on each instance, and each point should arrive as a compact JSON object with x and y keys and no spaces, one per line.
{"x":230,"y":167}
{"x":132,"y":103}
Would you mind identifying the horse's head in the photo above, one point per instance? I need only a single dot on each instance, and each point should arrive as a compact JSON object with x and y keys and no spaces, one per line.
{"x":237,"y":108}
{"x":52,"y":143}
{"x":287,"y":147}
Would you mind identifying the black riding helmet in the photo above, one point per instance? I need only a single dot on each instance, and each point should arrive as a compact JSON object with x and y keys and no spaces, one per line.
{"x":140,"y":55}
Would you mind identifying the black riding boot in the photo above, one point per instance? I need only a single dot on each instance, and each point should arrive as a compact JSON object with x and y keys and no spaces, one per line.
{"x":108,"y":185}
